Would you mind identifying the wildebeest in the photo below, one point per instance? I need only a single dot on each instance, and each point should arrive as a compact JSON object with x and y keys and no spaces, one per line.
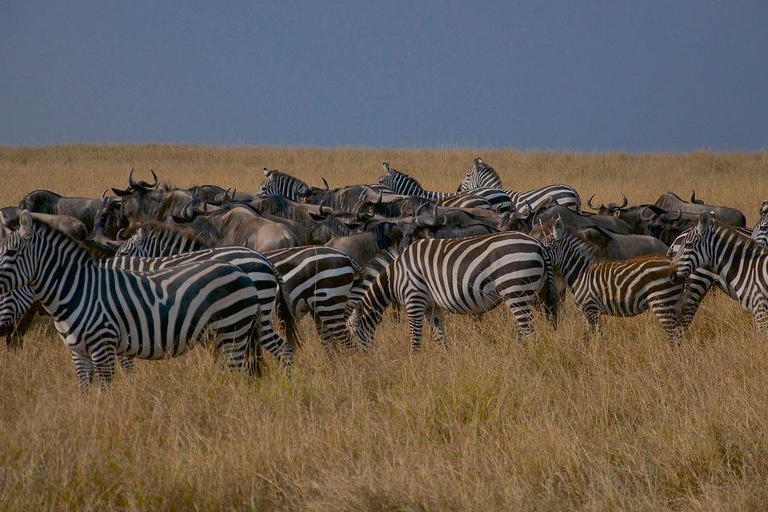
{"x":727,"y":215}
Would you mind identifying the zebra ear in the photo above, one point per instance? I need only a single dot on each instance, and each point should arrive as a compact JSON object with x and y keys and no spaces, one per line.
{"x":25,"y":223}
{"x":705,"y":220}
{"x":267,"y":172}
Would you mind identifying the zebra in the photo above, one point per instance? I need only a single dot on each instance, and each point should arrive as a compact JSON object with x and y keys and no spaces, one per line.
{"x":619,"y":287}
{"x":401,"y":183}
{"x":701,"y":280}
{"x":279,"y":183}
{"x":315,"y":280}
{"x":467,"y":276}
{"x":482,"y":175}
{"x":735,"y":258}
{"x":100,"y":310}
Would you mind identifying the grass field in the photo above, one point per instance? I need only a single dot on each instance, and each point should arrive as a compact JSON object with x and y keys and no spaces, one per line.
{"x":624,"y":423}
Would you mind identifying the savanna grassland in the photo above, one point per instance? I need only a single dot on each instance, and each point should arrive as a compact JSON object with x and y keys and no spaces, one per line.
{"x":627,"y":422}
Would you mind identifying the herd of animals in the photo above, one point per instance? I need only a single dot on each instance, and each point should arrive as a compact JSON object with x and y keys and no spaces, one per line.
{"x":145,"y":272}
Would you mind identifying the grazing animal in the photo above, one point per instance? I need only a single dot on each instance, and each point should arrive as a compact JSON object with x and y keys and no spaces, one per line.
{"x":483,"y":176}
{"x":671,"y":202}
{"x":312,"y":279}
{"x":618,"y":288}
{"x":401,"y":183}
{"x":100,"y":311}
{"x":156,"y":245}
{"x":735,"y":258}
{"x":467,"y":276}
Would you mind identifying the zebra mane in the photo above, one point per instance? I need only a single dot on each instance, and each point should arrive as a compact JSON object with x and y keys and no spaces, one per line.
{"x":748,"y":243}
{"x":94,"y":250}
{"x":370,"y":271}
{"x":156,"y":228}
{"x":583,"y":242}
{"x":393,"y":174}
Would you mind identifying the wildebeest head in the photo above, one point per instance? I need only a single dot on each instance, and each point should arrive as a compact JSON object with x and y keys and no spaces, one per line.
{"x":611,"y":209}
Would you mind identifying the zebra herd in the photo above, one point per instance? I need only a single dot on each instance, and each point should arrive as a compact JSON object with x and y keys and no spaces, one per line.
{"x":146,"y":274}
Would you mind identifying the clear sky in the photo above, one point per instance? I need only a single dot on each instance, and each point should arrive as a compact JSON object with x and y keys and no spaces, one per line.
{"x":586,"y":76}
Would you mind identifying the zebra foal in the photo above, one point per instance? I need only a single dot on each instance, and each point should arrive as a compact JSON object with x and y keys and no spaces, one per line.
{"x":99,"y":311}
{"x":618,"y":288}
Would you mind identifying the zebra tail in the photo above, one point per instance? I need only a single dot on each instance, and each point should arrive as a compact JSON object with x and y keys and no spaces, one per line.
{"x":254,"y":354}
{"x":552,"y":300}
{"x":285,"y":315}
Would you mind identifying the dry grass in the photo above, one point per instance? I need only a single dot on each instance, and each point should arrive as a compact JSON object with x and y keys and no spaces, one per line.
{"x":626,"y":423}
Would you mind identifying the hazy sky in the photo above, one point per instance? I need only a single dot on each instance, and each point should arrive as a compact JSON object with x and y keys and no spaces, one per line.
{"x":586,"y":76}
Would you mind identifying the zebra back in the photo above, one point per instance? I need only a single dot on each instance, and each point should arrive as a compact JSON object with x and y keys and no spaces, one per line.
{"x":283,"y":184}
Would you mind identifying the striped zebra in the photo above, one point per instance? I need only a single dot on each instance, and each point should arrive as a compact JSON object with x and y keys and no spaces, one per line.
{"x":618,"y":288}
{"x":99,"y":311}
{"x":280,"y":183}
{"x":401,"y":183}
{"x":467,"y":276}
{"x":701,"y":280}
{"x":737,"y":259}
{"x":482,"y":175}
{"x":315,"y":280}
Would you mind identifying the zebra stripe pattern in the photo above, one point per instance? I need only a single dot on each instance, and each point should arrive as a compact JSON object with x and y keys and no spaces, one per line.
{"x":618,"y":288}
{"x":467,"y":276}
{"x":701,"y":280}
{"x":318,"y":281}
{"x":99,"y":311}
{"x":279,"y":183}
{"x":483,"y":176}
{"x":480,"y":176}
{"x":315,"y":280}
{"x":156,"y":246}
{"x":737,"y":259}
{"x":401,"y":183}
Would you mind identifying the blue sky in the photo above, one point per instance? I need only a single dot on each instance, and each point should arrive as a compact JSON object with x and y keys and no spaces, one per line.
{"x":582,"y":76}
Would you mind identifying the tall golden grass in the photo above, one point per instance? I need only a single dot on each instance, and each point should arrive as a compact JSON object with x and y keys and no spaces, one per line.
{"x":627,"y":422}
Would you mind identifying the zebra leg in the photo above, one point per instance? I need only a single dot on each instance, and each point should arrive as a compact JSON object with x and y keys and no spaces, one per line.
{"x":84,"y":370}
{"x":760,"y":313}
{"x":126,"y":363}
{"x":415,"y":312}
{"x":235,"y":345}
{"x":521,"y":309}
{"x":592,"y":319}
{"x":435,"y":319}
{"x":276,"y":345}
{"x":667,"y":316}
{"x":104,"y":360}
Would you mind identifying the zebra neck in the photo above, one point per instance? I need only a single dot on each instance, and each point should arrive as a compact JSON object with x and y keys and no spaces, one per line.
{"x":728,"y":250}
{"x":378,"y":296}
{"x":577,"y":258}
{"x":62,"y":273}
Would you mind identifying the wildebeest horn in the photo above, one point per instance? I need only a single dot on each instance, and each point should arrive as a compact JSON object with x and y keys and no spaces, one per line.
{"x":381,"y":197}
{"x":679,"y":215}
{"x":646,"y":216}
{"x":154,"y":178}
{"x":323,"y":213}
{"x":131,"y":183}
{"x":325,"y":183}
{"x":104,"y":194}
{"x":693,"y":196}
{"x":418,"y":212}
{"x":589,"y":203}
{"x":624,"y":201}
